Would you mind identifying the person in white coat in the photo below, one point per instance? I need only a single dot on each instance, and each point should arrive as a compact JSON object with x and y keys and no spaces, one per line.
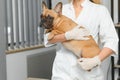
{"x":97,"y":20}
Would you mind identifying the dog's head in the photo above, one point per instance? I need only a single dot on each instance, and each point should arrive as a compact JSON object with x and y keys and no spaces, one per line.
{"x":48,"y":16}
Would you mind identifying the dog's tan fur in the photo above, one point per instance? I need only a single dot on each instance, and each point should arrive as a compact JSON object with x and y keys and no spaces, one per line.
{"x":61,"y":24}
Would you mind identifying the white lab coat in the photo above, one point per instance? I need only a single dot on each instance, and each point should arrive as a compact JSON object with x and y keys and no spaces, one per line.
{"x":95,"y":18}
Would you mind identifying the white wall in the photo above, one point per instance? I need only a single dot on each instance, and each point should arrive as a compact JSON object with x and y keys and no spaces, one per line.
{"x":17,"y":63}
{"x":16,"y":66}
{"x":107,"y":3}
{"x":115,"y":11}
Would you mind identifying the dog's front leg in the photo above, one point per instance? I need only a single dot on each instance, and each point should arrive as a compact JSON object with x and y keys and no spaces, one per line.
{"x":52,"y":34}
{"x":48,"y":30}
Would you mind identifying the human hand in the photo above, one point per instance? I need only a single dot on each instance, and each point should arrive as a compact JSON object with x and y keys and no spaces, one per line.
{"x":89,"y":63}
{"x":78,"y":33}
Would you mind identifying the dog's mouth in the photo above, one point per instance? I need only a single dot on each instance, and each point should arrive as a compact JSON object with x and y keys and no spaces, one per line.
{"x":46,"y":21}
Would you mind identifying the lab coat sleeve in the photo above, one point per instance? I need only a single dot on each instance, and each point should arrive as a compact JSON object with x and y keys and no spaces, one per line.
{"x":46,"y":43}
{"x":108,"y":34}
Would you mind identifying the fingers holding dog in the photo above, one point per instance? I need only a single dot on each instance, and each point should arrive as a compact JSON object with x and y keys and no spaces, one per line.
{"x":77,"y":33}
{"x":89,"y":63}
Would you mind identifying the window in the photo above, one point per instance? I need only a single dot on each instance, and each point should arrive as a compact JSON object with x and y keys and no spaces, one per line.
{"x":22,"y":25}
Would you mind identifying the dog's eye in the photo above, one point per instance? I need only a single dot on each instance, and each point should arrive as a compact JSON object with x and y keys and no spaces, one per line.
{"x":52,"y":17}
{"x":41,"y":15}
{"x":49,"y":17}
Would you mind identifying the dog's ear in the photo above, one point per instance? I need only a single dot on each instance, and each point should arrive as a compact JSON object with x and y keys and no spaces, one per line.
{"x":58,"y":8}
{"x":44,"y":6}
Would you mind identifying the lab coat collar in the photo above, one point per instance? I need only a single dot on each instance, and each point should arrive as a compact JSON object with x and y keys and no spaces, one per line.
{"x":83,"y":4}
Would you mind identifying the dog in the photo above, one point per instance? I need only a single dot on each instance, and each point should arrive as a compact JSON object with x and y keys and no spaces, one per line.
{"x":55,"y":23}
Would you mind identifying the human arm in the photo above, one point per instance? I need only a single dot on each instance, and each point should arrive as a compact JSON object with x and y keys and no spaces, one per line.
{"x":105,"y":52}
{"x":108,"y":38}
{"x":89,"y":63}
{"x":76,"y":33}
{"x":58,"y":38}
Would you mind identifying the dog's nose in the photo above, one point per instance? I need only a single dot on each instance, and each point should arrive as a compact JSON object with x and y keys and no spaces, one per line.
{"x":40,"y":24}
{"x":41,"y":15}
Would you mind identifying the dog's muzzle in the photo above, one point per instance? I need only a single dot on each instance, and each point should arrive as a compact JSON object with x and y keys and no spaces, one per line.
{"x":46,"y":22}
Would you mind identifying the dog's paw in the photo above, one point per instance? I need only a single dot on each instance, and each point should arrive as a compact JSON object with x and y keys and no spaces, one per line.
{"x":50,"y":37}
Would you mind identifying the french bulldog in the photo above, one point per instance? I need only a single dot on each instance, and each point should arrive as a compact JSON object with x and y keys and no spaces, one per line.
{"x":55,"y":23}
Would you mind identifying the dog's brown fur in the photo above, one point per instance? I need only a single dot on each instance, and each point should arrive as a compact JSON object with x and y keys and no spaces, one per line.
{"x":61,"y":24}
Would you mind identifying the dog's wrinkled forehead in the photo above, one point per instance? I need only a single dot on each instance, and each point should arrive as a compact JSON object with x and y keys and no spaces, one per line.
{"x":47,"y":17}
{"x":55,"y":12}
{"x":49,"y":12}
